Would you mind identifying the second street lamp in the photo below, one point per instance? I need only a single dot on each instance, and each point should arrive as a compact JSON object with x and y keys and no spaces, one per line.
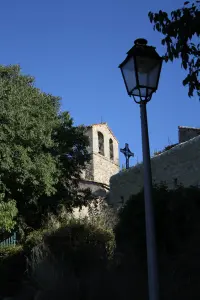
{"x":141,"y":73}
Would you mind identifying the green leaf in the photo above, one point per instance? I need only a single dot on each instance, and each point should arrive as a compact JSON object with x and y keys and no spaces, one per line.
{"x":163,"y":41}
{"x":8,"y":212}
{"x":170,"y":56}
{"x":158,"y":26}
{"x":184,"y":65}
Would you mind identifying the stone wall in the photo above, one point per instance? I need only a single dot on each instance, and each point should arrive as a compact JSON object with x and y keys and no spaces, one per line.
{"x":181,"y":164}
{"x":88,"y":172}
{"x":104,"y":129}
{"x":84,"y":211}
{"x":100,"y":193}
{"x":103,"y":166}
{"x":187,"y":133}
{"x":96,"y":188}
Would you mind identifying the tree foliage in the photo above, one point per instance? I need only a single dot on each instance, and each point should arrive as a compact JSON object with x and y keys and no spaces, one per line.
{"x":41,"y":151}
{"x":181,"y":33}
{"x":8,"y":212}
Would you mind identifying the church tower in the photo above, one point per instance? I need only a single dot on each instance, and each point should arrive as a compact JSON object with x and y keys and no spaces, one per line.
{"x":104,"y":151}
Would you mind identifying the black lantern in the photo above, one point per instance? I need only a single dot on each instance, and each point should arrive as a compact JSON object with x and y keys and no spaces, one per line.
{"x":141,"y":70}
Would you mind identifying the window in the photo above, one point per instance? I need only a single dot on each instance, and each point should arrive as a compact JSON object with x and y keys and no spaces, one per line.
{"x":111,"y":149}
{"x":101,"y":143}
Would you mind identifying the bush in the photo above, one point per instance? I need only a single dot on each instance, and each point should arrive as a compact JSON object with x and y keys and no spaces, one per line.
{"x":8,"y":213}
{"x":177,"y":237}
{"x":80,"y":243}
{"x":35,"y":238}
{"x":176,"y":218}
{"x":97,"y":229}
{"x":102,"y":215}
{"x":78,"y":250}
{"x":75,"y":254}
{"x":9,"y":251}
{"x":12,"y":269}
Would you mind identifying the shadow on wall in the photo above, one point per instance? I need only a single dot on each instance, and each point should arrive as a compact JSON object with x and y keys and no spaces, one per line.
{"x":180,"y":164}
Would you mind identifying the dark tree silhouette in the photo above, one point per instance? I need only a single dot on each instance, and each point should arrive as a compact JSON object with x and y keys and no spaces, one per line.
{"x":181,"y":32}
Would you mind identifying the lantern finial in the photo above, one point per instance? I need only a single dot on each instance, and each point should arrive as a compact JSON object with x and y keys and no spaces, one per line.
{"x":141,"y":42}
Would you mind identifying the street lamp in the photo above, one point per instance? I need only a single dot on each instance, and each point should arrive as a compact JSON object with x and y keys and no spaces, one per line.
{"x":141,"y":72}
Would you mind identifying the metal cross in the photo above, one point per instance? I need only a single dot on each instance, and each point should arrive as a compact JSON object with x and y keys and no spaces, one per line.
{"x":127,"y":153}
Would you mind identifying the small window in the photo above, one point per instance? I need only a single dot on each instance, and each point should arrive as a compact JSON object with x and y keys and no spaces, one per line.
{"x":111,"y":149}
{"x":101,"y":143}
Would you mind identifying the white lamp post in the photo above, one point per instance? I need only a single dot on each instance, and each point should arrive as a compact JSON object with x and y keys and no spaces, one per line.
{"x":141,"y":73}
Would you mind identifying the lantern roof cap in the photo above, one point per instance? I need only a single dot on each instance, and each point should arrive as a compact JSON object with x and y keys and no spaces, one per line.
{"x":140,"y":42}
{"x":141,"y":48}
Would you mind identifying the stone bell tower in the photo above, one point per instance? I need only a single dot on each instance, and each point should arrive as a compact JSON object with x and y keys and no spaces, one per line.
{"x":104,"y":151}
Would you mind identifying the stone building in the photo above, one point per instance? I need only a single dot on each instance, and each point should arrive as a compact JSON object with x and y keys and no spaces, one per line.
{"x":104,"y":163}
{"x":178,"y":165}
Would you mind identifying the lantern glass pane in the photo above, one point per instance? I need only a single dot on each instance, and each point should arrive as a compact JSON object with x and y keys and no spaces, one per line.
{"x":128,"y":71}
{"x":148,"y":72}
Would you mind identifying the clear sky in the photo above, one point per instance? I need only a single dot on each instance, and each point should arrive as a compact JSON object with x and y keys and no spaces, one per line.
{"x":73,"y":48}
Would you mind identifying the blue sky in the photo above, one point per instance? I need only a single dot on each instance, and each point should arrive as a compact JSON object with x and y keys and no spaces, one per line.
{"x":73,"y":48}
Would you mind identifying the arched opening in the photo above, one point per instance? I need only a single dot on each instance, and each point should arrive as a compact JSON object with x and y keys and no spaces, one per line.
{"x":101,"y":143}
{"x":111,"y":149}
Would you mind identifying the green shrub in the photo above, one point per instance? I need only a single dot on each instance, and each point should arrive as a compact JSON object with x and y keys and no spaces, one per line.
{"x":102,"y":215}
{"x":9,"y":251}
{"x":34,"y":239}
{"x":79,"y":241}
{"x":76,"y":254}
{"x":8,"y":213}
{"x":176,"y":218}
{"x":13,"y":263}
{"x":79,"y":248}
{"x":12,"y":269}
{"x":97,"y":228}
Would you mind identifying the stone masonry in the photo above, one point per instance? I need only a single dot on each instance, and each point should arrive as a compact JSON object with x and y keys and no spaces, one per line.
{"x":101,"y":167}
{"x":181,"y":164}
